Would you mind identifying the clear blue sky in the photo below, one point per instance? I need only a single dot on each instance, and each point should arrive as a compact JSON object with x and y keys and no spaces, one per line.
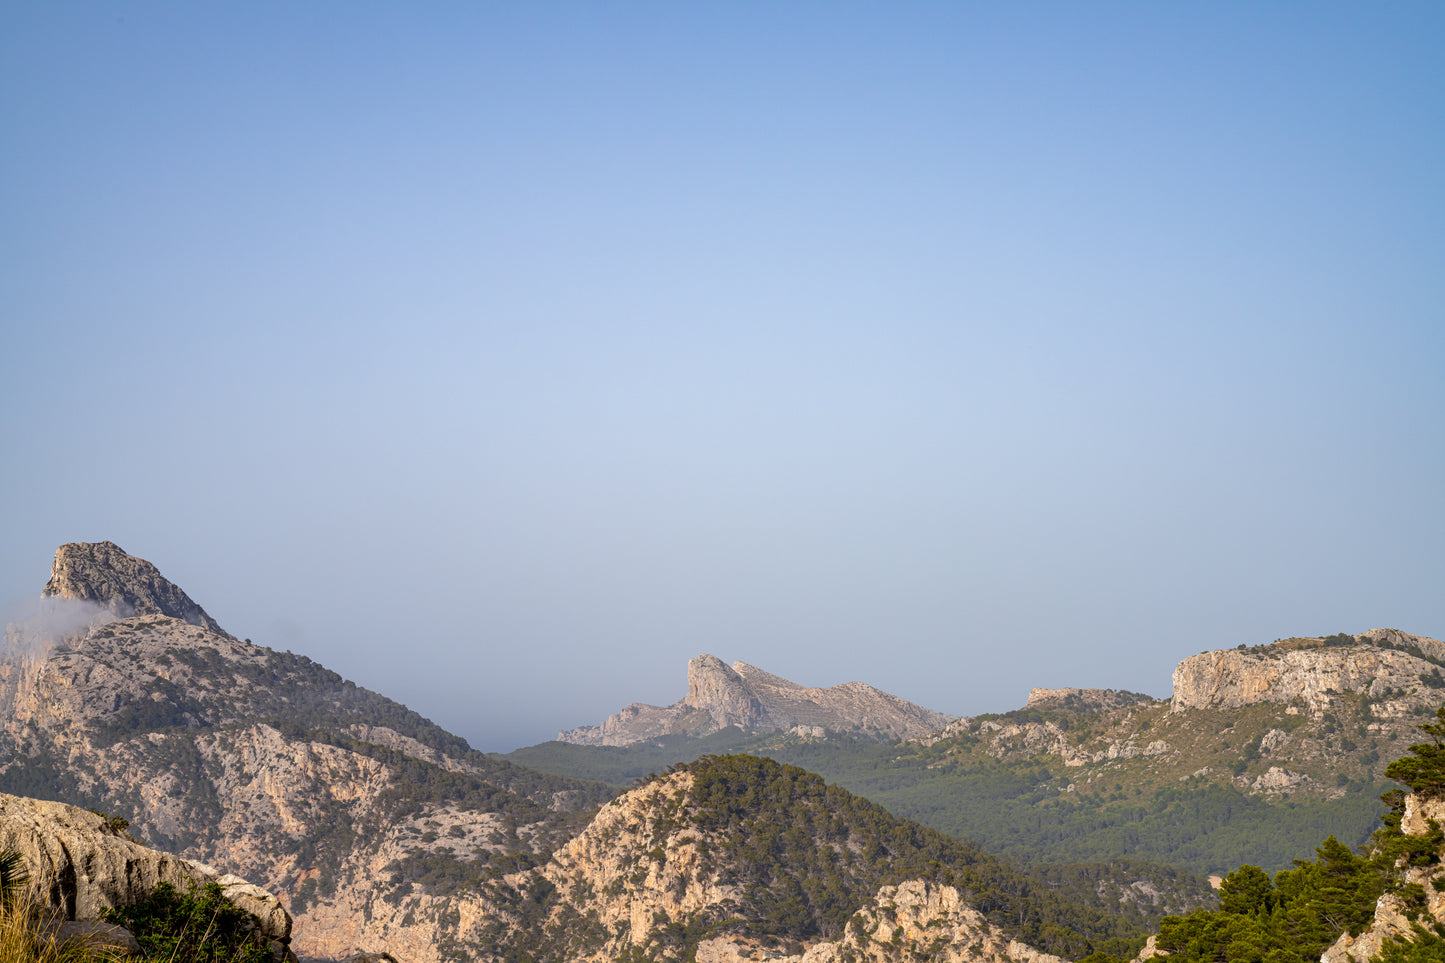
{"x":502,"y":357}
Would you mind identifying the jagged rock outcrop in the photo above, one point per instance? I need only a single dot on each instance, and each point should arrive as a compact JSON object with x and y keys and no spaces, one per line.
{"x":80,"y":865}
{"x":1317,"y":675}
{"x":103,"y":572}
{"x":915,"y":920}
{"x":742,"y":695}
{"x":1391,"y":920}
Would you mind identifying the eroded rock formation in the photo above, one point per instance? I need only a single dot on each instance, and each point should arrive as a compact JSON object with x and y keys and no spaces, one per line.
{"x":742,"y":695}
{"x":103,"y":572}
{"x":1378,"y":665}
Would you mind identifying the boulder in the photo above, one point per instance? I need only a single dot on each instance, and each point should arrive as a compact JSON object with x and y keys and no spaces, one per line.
{"x":81,"y":864}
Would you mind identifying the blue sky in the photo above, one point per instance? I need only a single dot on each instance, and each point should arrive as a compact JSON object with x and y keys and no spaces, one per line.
{"x":504,"y":357}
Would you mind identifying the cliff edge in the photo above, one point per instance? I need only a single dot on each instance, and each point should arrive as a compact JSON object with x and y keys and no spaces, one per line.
{"x":102,"y":572}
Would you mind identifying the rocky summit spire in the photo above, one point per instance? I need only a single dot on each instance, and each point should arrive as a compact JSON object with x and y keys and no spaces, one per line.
{"x":721,"y":695}
{"x":102,"y":572}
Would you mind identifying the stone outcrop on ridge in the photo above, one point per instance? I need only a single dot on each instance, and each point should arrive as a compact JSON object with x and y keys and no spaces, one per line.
{"x":1379,"y":665}
{"x":742,"y":695}
{"x":102,"y":572}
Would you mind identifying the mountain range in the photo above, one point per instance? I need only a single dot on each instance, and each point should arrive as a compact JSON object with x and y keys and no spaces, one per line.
{"x":381,"y":831}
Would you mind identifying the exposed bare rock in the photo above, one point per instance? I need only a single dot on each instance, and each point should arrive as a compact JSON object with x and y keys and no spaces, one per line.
{"x":237,"y":755}
{"x":80,"y":865}
{"x":1277,"y":780}
{"x":721,"y":692}
{"x":1314,"y":674}
{"x":911,"y":921}
{"x":102,"y":572}
{"x":1432,"y":648}
{"x":920,"y":920}
{"x":742,"y":695}
{"x":1150,"y":951}
{"x":94,"y":934}
{"x":1085,"y":700}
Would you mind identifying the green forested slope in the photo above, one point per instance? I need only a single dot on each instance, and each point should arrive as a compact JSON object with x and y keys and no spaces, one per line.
{"x":1019,"y":808}
{"x":803,"y":856}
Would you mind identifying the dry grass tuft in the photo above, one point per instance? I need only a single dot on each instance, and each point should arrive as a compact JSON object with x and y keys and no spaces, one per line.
{"x":27,"y":936}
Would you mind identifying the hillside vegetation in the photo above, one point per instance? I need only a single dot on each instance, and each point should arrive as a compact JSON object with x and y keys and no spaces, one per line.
{"x":1200,"y":788}
{"x":744,"y":845}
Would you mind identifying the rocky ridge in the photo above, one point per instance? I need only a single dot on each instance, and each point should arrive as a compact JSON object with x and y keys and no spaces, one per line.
{"x":1398,"y":673}
{"x":742,"y":695}
{"x":234,"y":754}
{"x":1085,"y":700}
{"x":1305,"y":697}
{"x":915,"y":920}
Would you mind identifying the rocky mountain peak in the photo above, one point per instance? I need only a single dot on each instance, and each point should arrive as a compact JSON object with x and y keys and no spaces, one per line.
{"x":718,"y":689}
{"x":742,"y":695}
{"x":103,"y":572}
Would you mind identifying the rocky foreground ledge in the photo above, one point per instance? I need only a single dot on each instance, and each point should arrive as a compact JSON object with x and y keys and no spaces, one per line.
{"x":81,"y":865}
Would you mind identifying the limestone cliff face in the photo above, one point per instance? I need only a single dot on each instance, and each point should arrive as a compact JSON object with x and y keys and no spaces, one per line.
{"x":742,"y":695}
{"x":720,"y":691}
{"x":80,"y":865}
{"x":102,"y":572}
{"x":1316,"y":676}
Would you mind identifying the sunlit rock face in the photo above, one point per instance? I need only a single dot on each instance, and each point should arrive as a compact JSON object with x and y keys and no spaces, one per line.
{"x":1315,"y":676}
{"x":102,"y":572}
{"x":721,"y":695}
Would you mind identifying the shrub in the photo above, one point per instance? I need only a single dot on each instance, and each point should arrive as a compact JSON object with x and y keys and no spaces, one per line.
{"x":197,"y":926}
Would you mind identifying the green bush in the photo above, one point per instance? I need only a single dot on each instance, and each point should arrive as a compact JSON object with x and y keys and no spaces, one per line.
{"x":197,"y":926}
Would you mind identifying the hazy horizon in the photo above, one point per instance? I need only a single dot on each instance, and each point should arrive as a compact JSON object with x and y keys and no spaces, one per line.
{"x":502,"y":359}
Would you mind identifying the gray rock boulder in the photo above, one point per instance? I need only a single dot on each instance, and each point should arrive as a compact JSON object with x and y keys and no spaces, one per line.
{"x":81,"y":864}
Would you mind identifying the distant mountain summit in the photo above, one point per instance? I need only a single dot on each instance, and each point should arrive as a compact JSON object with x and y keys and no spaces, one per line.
{"x":742,"y":695}
{"x":102,"y":572}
